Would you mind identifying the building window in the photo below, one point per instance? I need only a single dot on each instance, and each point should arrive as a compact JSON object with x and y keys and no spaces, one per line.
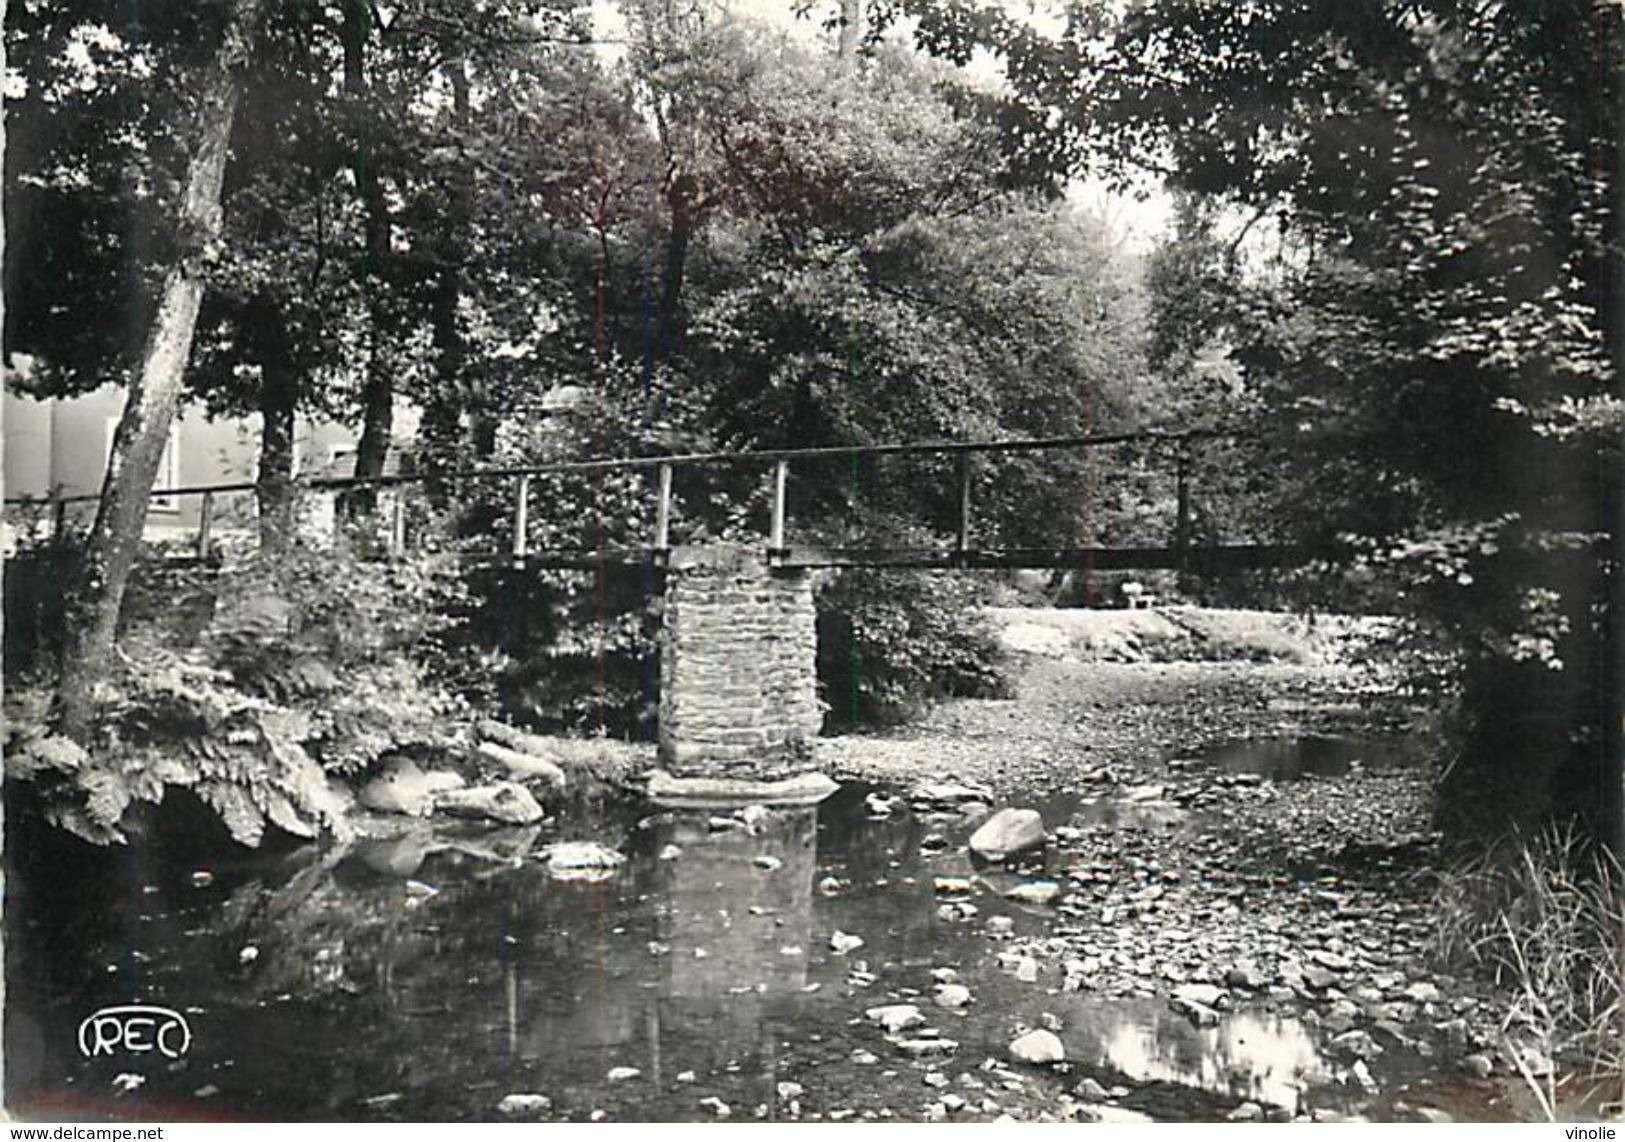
{"x":169,"y":466}
{"x":342,"y":459}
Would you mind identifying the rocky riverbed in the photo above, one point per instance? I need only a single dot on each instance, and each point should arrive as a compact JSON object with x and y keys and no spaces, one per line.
{"x":1210,"y":901}
{"x":1226,"y":838}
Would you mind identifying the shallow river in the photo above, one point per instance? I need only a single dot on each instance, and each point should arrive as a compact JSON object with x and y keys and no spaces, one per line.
{"x":431,"y":975}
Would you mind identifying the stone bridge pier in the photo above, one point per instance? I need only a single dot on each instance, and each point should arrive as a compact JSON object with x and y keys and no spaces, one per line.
{"x":739,"y":702}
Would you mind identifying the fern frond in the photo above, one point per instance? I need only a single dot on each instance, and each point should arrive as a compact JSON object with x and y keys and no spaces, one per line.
{"x":236,"y":809}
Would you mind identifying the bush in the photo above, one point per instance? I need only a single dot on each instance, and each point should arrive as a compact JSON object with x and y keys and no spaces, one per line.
{"x":297,"y":665}
{"x":36,"y":604}
{"x":567,"y":651}
{"x":890,"y":641}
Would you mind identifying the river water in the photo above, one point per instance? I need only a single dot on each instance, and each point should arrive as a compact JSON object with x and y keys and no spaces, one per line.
{"x":433,"y":974}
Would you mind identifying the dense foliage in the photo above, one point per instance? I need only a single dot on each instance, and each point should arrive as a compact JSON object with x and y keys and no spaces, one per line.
{"x":1434,"y":356}
{"x":1391,"y":266}
{"x":249,"y":686}
{"x":1428,"y":347}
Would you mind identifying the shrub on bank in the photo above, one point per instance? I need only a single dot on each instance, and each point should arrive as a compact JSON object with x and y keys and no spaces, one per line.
{"x":891,"y":641}
{"x":280,"y":671}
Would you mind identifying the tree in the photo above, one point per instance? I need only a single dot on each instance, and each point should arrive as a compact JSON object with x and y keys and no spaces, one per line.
{"x":156,"y":384}
{"x":1437,"y":358}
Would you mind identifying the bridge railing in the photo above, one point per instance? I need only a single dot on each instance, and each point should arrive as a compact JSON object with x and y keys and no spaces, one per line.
{"x":521,"y":480}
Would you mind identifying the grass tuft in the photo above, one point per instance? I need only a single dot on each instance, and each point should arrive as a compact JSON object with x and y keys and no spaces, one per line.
{"x":1543,"y":917}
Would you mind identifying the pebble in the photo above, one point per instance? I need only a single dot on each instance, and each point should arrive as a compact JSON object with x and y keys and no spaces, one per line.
{"x":1424,"y":992}
{"x":524,"y":1104}
{"x":926,"y":1048}
{"x":1091,"y":1091}
{"x":1094,"y":1112}
{"x":716,"y":1106}
{"x":895,"y":1017}
{"x":1205,"y":994}
{"x":1246,"y":1112}
{"x":842,"y":942}
{"x":952,"y":995}
{"x":1039,"y":1047}
{"x":1198,"y":1013}
{"x":1035,"y":892}
{"x":1319,"y":978}
{"x":621,"y":1074}
{"x":1244,"y":976}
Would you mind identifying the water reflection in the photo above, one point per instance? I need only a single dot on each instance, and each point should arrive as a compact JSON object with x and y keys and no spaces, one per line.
{"x":427,"y":975}
{"x":1316,"y":755}
{"x":737,"y":905}
{"x":1249,"y":1055}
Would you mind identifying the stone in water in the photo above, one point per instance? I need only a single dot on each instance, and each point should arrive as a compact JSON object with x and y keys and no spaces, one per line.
{"x":1036,"y":892}
{"x":1038,"y":1047}
{"x":524,"y":1104}
{"x":1007,"y":833}
{"x":582,"y":860}
{"x":842,"y":942}
{"x":896,"y":1017}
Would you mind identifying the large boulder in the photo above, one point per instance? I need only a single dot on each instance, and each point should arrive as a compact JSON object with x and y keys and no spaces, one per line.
{"x":401,"y":788}
{"x":1008,"y":833}
{"x":523,"y":766}
{"x":503,"y":802}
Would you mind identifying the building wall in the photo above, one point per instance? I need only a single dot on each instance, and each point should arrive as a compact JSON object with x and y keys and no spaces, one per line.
{"x":62,"y":446}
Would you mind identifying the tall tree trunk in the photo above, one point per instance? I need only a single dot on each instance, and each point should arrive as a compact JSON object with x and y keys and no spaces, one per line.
{"x":377,"y":389}
{"x":668,"y":326}
{"x":455,"y":392}
{"x":279,"y":393}
{"x":154,"y":389}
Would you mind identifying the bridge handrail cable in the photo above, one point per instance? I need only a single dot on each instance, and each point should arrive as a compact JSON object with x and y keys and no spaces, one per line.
{"x":683,"y":459}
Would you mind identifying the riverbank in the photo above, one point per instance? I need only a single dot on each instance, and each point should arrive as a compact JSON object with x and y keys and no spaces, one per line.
{"x":1190,"y":872}
{"x":1228,"y":915}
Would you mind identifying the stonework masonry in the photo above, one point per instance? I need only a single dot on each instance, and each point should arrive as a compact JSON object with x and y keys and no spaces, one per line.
{"x":738,"y":666}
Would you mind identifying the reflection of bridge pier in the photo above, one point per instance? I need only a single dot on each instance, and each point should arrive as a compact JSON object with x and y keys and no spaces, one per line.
{"x":737,"y":916}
